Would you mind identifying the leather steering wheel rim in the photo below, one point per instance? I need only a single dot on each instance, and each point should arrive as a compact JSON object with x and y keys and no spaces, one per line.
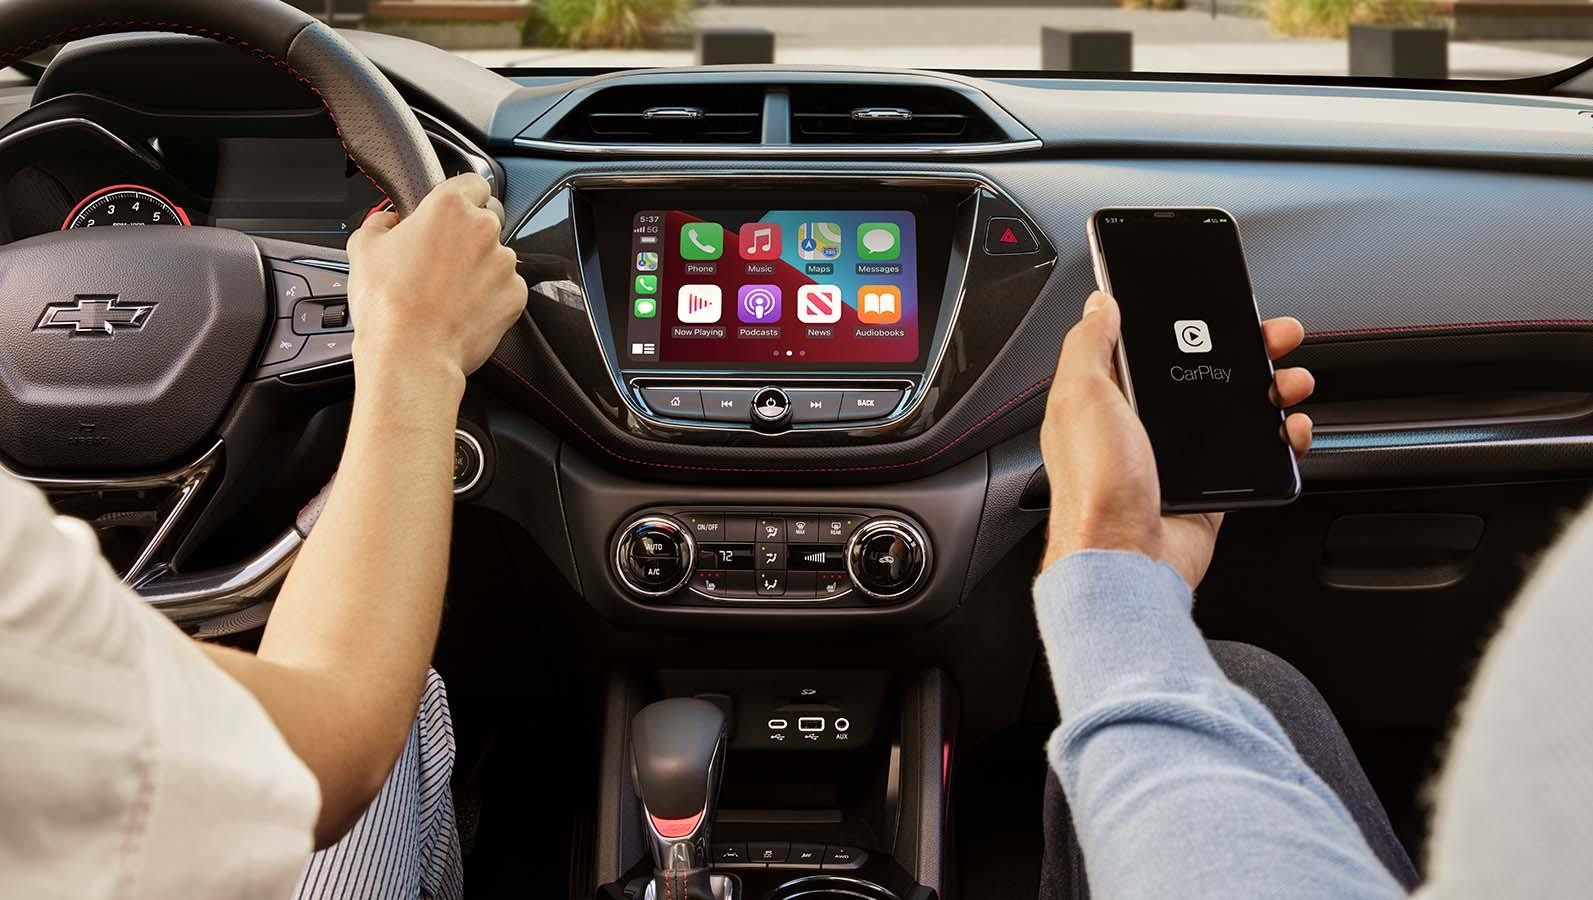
{"x":377,"y":128}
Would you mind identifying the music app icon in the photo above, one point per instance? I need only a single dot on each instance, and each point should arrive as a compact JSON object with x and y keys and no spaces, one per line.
{"x":760,"y":240}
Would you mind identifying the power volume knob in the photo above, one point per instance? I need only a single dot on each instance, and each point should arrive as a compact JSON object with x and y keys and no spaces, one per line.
{"x":887,"y":558}
{"x":653,"y":556}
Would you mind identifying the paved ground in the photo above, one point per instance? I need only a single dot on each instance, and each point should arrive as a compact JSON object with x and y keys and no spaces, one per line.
{"x":994,"y":37}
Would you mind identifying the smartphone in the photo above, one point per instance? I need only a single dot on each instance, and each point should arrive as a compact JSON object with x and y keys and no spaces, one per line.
{"x":1192,"y":359}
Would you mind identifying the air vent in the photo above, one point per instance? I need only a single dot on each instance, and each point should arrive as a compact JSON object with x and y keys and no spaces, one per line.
{"x":887,"y":114}
{"x":667,"y":114}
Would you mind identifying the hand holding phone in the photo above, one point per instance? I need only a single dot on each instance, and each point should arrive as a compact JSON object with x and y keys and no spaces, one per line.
{"x":1104,"y":491}
{"x":1192,"y":358}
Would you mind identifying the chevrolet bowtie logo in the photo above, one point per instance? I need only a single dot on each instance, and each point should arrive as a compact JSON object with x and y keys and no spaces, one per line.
{"x":95,"y":314}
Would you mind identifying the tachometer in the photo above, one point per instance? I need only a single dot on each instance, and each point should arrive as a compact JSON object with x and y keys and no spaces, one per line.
{"x":125,"y":204}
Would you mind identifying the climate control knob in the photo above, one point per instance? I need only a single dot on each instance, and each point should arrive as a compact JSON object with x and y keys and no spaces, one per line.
{"x":653,"y":556}
{"x":887,"y":558}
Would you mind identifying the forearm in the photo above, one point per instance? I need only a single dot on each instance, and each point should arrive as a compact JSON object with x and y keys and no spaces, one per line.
{"x":1169,"y":769}
{"x":343,"y":659}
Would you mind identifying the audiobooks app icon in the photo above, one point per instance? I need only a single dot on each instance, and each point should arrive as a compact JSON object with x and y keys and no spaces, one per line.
{"x":698,"y":304}
{"x":879,"y":304}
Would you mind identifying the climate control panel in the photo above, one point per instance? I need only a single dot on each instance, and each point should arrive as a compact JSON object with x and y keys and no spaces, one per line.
{"x":690,"y":556}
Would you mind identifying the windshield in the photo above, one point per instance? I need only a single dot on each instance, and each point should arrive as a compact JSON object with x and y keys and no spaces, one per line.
{"x":1474,"y":39}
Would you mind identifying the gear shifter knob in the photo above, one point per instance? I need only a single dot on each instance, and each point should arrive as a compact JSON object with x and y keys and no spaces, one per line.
{"x":677,"y":752}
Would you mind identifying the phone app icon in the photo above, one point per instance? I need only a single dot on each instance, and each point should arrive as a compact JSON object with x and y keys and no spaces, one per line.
{"x":702,"y":240}
{"x":760,"y":240}
{"x":819,"y":304}
{"x":758,"y":303}
{"x":698,"y":304}
{"x":879,"y":304}
{"x":879,"y":241}
{"x":819,"y":241}
{"x":647,"y":261}
{"x":647,"y":284}
{"x":645,"y":307}
{"x":1193,"y":335}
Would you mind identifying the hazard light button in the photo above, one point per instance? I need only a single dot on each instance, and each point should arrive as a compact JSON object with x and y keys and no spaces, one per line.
{"x":1006,"y":235}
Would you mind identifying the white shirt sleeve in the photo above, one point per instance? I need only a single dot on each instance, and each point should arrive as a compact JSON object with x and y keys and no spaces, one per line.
{"x":130,"y":764}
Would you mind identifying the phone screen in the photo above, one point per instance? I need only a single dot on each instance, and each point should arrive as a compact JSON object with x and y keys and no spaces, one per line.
{"x":1196,"y":362}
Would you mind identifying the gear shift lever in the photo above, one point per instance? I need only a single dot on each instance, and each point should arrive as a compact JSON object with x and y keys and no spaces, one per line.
{"x":678,"y":754}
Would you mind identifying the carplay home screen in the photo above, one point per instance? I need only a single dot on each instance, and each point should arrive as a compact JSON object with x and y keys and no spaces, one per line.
{"x":780,"y":288}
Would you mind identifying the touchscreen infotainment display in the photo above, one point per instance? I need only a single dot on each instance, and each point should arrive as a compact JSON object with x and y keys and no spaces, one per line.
{"x":773,"y":287}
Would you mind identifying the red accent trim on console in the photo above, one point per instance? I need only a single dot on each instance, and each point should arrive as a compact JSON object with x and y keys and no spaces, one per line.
{"x":83,"y":204}
{"x":677,"y":828}
{"x":1455,"y":326}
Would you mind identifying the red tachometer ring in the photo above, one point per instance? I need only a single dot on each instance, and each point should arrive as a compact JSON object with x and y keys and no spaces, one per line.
{"x":182,"y":214}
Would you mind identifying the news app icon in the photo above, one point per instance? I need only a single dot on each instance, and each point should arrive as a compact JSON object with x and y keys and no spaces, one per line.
{"x":698,"y":304}
{"x":879,"y":304}
{"x":760,"y":240}
{"x":819,"y":304}
{"x":1193,"y":335}
{"x":758,"y":304}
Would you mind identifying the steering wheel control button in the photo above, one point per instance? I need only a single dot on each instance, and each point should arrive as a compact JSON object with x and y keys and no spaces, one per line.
{"x":837,"y":529}
{"x":771,"y":408}
{"x":321,"y":349}
{"x":334,"y":316}
{"x":871,"y":404}
{"x":1005,"y":237}
{"x":887,"y":558}
{"x":815,"y":406}
{"x":469,"y":461}
{"x":724,"y":405}
{"x":290,"y":289}
{"x":654,"y":556}
{"x":283,"y":345}
{"x":322,"y":282}
{"x":674,"y":403}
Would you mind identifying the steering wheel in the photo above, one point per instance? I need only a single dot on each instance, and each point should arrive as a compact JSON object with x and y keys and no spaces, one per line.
{"x":124,"y":350}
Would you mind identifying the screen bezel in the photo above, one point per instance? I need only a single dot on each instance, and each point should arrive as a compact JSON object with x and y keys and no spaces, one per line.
{"x":604,"y":218}
{"x":1197,"y":502}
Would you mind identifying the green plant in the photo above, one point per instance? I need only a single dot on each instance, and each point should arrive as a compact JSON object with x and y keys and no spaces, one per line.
{"x":610,"y":23}
{"x":1333,"y":18}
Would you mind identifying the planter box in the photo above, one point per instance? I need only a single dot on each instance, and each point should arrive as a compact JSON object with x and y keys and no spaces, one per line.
{"x":464,"y":25}
{"x":1086,"y":51}
{"x":1399,"y":51}
{"x":1482,"y":20}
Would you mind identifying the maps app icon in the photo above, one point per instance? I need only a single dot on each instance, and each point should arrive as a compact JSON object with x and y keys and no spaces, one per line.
{"x":819,"y":241}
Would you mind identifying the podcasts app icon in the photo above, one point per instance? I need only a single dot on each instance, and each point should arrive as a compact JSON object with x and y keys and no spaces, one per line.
{"x":758,"y":304}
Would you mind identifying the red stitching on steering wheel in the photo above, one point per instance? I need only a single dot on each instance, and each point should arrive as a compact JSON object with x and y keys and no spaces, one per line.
{"x":113,"y":27}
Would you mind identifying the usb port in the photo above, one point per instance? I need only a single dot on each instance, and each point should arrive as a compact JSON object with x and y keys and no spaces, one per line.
{"x":810,"y":723}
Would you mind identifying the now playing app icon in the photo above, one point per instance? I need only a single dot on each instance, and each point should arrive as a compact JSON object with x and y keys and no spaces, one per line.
{"x":819,"y":304}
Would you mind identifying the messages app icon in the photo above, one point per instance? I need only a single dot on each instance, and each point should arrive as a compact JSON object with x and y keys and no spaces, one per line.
{"x":879,"y":241}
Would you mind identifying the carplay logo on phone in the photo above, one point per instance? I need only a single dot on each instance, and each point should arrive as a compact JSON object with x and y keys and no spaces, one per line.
{"x":1193,"y":335}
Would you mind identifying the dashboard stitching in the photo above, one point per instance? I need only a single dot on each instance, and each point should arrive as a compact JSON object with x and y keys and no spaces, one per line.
{"x":1025,"y":394}
{"x":95,"y":28}
{"x":1451,"y":326}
